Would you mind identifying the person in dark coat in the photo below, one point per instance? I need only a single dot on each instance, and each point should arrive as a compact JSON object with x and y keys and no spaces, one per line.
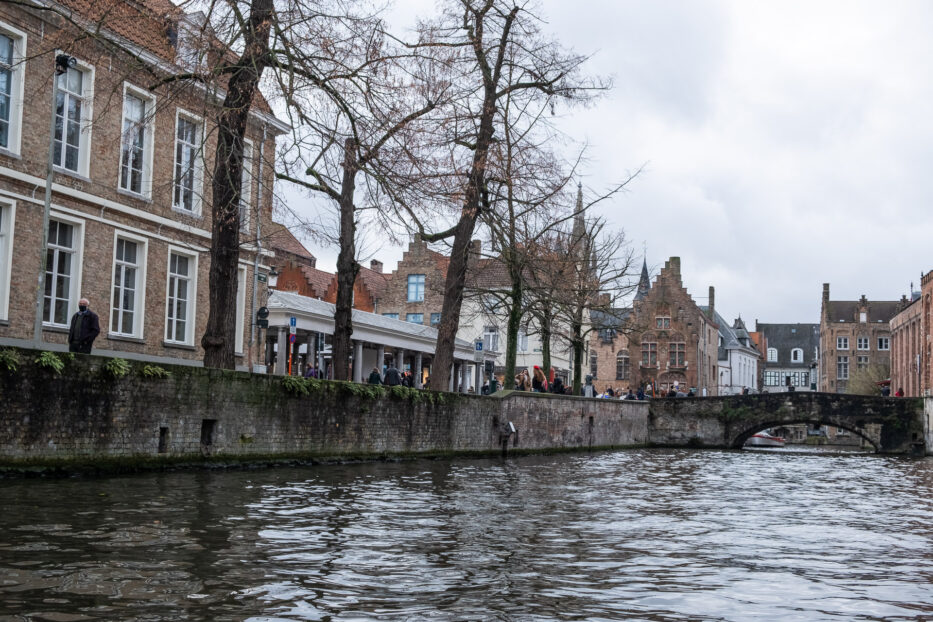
{"x":85,"y":326}
{"x":557,"y":387}
{"x":374,"y":377}
{"x":393,"y":377}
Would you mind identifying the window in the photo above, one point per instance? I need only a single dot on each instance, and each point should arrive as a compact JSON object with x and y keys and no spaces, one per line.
{"x":491,"y":339}
{"x":862,"y":317}
{"x":72,"y":120}
{"x":240,"y":309}
{"x":663,"y":322}
{"x":649,"y":354}
{"x":435,"y":319}
{"x":415,"y":288}
{"x":136,"y":142}
{"x":12,"y":56}
{"x":796,"y":355}
{"x":773,"y":378}
{"x":415,"y":318}
{"x":522,"y":340}
{"x":188,"y":165}
{"x":127,"y":302}
{"x":842,"y":368}
{"x":884,"y":343}
{"x":842,"y":343}
{"x":61,"y":269}
{"x":246,"y":186}
{"x":861,"y":362}
{"x":182,"y":291}
{"x":622,"y":365}
{"x":862,"y":343}
{"x":772,"y":355}
{"x":677,"y":354}
{"x":7,"y":217}
{"x":393,"y":316}
{"x":594,"y":364}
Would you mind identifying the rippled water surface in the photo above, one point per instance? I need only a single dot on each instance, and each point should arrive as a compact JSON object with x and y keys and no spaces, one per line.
{"x":651,"y":535}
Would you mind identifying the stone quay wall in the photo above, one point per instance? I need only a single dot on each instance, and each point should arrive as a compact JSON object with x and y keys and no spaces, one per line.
{"x":87,"y":415}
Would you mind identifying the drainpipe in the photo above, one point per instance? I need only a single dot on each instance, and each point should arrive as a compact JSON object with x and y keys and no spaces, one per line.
{"x":252,"y":302}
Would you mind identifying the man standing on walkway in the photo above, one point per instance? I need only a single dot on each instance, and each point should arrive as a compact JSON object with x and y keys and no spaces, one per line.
{"x":84,"y":328}
{"x":393,"y":377}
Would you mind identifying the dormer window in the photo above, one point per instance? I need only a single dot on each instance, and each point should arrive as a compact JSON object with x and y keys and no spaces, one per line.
{"x":862,"y":317}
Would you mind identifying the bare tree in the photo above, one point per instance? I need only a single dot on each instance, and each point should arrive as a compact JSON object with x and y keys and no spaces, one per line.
{"x":492,"y":49}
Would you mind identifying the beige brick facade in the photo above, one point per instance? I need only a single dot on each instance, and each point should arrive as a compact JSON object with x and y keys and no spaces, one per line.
{"x":853,"y":334}
{"x":906,"y":348}
{"x":99,"y":210}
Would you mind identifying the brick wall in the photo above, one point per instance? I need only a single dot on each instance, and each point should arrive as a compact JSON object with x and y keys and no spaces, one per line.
{"x":418,"y":259}
{"x":85,"y":415}
{"x":96,"y":201}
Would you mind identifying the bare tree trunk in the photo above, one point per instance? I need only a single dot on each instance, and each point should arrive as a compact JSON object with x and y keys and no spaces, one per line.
{"x":219,"y":336}
{"x":576,"y":336}
{"x":460,"y":253}
{"x":347,"y":268}
{"x":515,"y":318}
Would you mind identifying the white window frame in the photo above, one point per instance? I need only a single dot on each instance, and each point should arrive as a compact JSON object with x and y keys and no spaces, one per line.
{"x":7,"y":229}
{"x":884,"y":343}
{"x":197,"y":190}
{"x":149,"y":104}
{"x":491,"y":338}
{"x":240,"y":310}
{"x":17,"y":79}
{"x":139,"y":310}
{"x":246,"y":186}
{"x":862,"y":317}
{"x":796,"y":355}
{"x":772,"y":355}
{"x":842,"y":368}
{"x":842,"y":343}
{"x":522,"y":340}
{"x":74,"y":290}
{"x":409,"y":284}
{"x":87,"y":115}
{"x":191,"y":315}
{"x":863,"y":343}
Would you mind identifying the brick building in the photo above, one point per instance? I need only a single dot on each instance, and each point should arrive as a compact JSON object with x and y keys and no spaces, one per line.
{"x":907,"y":341}
{"x":664,"y":339}
{"x":854,"y":334}
{"x":130,"y":220}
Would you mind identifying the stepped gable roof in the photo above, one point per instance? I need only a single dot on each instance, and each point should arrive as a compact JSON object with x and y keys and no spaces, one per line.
{"x":374,"y":282}
{"x":847,"y":310}
{"x":279,"y":238}
{"x":145,"y":23}
{"x":785,"y":337}
{"x":317,"y":279}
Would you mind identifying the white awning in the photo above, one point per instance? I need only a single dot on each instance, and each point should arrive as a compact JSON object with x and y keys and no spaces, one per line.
{"x":317,"y":316}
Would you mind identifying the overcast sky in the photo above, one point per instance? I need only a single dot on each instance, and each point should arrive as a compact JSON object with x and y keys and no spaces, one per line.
{"x":786,"y":144}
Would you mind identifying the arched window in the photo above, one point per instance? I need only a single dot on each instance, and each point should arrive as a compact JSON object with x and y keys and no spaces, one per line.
{"x":796,"y":355}
{"x":622,"y":365}
{"x":593,"y":364}
{"x":772,"y":355}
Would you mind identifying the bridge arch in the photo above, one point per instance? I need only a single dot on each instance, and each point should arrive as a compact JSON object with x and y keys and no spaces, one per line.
{"x":739,"y":438}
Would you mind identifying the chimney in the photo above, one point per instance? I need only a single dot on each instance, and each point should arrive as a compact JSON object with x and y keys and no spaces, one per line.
{"x":675,"y":265}
{"x":825,"y":293}
{"x":376,"y":266}
{"x":476,"y":247}
{"x":712,"y":303}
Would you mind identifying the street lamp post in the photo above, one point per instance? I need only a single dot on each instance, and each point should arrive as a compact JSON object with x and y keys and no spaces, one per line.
{"x":63,"y":63}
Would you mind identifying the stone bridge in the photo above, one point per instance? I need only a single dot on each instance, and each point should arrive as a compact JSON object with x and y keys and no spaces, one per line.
{"x":891,"y":425}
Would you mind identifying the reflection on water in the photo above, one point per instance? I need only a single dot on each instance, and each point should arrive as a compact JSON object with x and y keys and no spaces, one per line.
{"x":652,"y":535}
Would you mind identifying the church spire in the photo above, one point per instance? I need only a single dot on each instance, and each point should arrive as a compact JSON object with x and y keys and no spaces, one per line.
{"x":579,"y":227}
{"x":644,"y":284}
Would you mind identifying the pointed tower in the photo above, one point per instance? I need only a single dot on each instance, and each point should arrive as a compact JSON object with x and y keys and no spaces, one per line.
{"x":579,"y":227}
{"x":644,"y":284}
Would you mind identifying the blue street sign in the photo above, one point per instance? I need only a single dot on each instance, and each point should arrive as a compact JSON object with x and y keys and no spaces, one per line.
{"x":293,"y":321}
{"x":479,"y":346}
{"x":291,"y":338}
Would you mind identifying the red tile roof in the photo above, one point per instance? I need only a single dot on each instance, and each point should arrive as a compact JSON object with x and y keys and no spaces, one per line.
{"x":279,"y":238}
{"x":375,"y":282}
{"x":319,"y":280}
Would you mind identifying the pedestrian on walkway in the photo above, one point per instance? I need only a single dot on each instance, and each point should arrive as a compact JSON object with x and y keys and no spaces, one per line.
{"x":392,"y":378}
{"x":85,"y":326}
{"x":374,"y":377}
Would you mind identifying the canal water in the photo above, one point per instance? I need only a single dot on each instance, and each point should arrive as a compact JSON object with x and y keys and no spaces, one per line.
{"x":644,"y":534}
